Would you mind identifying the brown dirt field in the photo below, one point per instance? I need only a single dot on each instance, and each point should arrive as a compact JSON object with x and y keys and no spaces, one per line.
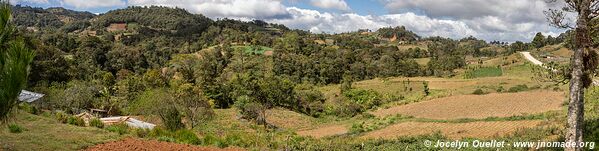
{"x":283,"y":118}
{"x":150,"y":145}
{"x":325,"y":131}
{"x":480,"y":106}
{"x":483,"y":130}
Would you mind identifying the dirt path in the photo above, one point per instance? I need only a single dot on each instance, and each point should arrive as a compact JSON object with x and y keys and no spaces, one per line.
{"x":480,"y":106}
{"x":531,"y":58}
{"x":452,"y":130}
{"x":325,"y":131}
{"x":132,"y":144}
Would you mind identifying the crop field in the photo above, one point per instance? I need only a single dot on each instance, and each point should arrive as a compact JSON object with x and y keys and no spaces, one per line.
{"x":480,"y":106}
{"x":453,"y":130}
{"x":325,"y":131}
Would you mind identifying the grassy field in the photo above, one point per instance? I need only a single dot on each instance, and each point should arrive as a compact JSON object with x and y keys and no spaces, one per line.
{"x":480,"y":72}
{"x":46,"y":133}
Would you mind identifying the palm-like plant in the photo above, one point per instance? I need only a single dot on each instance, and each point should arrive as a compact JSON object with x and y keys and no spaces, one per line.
{"x":14,"y":62}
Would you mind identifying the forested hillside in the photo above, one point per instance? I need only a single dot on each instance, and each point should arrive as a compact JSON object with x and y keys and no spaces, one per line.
{"x":26,"y":16}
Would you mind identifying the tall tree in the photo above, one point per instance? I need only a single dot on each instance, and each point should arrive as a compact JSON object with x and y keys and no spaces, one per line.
{"x":14,"y":62}
{"x":539,"y":40}
{"x":584,"y":61}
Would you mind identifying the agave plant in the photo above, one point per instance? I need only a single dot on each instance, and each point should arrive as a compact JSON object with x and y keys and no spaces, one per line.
{"x":14,"y":62}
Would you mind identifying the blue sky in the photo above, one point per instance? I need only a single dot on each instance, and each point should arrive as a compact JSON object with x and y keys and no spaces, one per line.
{"x":503,"y":20}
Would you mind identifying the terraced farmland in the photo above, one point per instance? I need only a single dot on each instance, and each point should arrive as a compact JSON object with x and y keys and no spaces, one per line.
{"x":480,"y":106}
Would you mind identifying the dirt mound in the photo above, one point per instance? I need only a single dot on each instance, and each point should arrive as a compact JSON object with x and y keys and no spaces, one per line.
{"x":480,"y":106}
{"x":325,"y":131}
{"x":149,"y":145}
{"x":452,"y":130}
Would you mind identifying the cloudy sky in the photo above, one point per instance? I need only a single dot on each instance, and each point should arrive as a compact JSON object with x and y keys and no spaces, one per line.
{"x":503,"y":20}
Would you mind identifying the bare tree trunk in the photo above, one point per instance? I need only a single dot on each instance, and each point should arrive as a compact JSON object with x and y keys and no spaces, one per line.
{"x":576,"y":105}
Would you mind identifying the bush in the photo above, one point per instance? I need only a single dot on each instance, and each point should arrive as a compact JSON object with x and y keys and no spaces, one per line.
{"x":157,"y":132}
{"x":15,"y":128}
{"x":343,"y":109}
{"x":172,"y":119}
{"x":247,"y":108}
{"x":118,"y":128}
{"x":478,"y":92}
{"x":142,"y":132}
{"x":187,"y":137}
{"x":29,"y":108}
{"x":518,"y":88}
{"x":366,"y":98}
{"x":500,"y":89}
{"x":95,"y":122}
{"x":62,"y":117}
{"x":210,"y":139}
{"x":73,"y":120}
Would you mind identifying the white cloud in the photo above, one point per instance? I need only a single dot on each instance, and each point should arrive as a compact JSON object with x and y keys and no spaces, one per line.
{"x":330,"y":4}
{"x":29,"y":1}
{"x":488,"y":28}
{"x":93,"y":3}
{"x":506,"y":20}
{"x":260,"y":9}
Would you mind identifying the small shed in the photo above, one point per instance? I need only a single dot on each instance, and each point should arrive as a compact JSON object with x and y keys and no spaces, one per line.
{"x":29,"y":97}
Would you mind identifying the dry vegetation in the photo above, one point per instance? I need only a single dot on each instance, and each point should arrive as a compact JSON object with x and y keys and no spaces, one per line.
{"x":452,"y":130}
{"x":325,"y":131}
{"x":480,"y":106}
{"x":136,"y":144}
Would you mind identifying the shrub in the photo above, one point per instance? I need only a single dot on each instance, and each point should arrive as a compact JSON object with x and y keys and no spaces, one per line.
{"x":95,"y":122}
{"x":247,"y":108}
{"x":172,"y":119}
{"x":118,"y":128}
{"x":73,"y":120}
{"x":518,"y":88}
{"x":343,"y":109}
{"x":234,"y":140}
{"x":366,"y":98}
{"x":500,"y":89}
{"x":209,"y":139}
{"x":15,"y":128}
{"x":357,"y":128}
{"x":142,"y":132}
{"x":29,"y":108}
{"x":157,"y":132}
{"x":310,"y":100}
{"x":478,"y":92}
{"x":187,"y":137}
{"x":62,"y":117}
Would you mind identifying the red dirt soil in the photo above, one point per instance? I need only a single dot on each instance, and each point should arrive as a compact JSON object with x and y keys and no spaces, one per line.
{"x":131,"y":144}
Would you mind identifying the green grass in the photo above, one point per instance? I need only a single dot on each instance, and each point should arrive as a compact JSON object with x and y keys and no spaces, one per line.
{"x":480,"y":72}
{"x":15,"y":128}
{"x":46,"y":133}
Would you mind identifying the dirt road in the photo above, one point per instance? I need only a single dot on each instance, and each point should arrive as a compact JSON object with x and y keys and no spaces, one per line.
{"x":531,"y":58}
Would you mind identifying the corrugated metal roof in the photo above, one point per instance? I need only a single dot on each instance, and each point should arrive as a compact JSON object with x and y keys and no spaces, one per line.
{"x":28,"y":96}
